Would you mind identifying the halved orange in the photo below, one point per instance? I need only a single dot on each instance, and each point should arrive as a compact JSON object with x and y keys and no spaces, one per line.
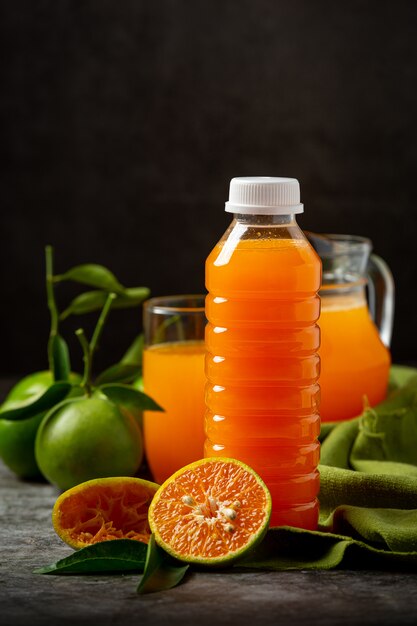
{"x":103,"y":509}
{"x":210,"y":512}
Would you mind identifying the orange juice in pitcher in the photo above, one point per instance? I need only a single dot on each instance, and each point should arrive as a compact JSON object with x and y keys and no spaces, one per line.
{"x":355,"y":359}
{"x":262,"y":340}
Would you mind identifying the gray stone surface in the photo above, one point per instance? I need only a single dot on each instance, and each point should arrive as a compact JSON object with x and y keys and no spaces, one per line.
{"x":326,"y":598}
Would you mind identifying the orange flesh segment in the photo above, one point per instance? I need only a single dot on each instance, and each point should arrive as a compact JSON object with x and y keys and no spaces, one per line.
{"x":101,"y":513}
{"x":228,"y":506}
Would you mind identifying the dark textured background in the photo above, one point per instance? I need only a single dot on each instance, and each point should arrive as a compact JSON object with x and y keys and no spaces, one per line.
{"x":122,"y":123}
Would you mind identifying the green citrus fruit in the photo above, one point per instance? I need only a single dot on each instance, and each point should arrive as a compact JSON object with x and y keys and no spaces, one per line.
{"x":30,"y":386}
{"x":85,"y":438}
{"x":210,"y":512}
{"x":17,"y":438}
{"x":104,"y":509}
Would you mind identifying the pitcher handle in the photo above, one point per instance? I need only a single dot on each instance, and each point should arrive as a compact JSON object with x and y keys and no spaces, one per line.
{"x":381,"y":296}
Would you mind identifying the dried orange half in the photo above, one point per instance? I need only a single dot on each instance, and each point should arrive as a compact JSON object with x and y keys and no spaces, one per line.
{"x":210,"y":512}
{"x":103,"y":509}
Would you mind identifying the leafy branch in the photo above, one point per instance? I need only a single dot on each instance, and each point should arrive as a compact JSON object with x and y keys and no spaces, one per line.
{"x":89,"y":348}
{"x":108,"y":293}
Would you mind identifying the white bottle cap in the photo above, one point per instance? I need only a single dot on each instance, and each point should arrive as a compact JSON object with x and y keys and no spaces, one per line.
{"x":264,"y":195}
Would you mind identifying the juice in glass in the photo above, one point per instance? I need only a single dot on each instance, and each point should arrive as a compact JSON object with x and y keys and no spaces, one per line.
{"x":174,"y":377}
{"x":262,"y":365}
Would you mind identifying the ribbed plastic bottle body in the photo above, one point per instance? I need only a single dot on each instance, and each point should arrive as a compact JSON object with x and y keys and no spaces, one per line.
{"x":262,"y":366}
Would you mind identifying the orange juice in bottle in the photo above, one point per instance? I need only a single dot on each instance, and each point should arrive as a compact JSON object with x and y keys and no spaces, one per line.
{"x":262,"y":340}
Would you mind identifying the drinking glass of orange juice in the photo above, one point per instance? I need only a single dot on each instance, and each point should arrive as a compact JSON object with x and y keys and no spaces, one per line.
{"x":357,"y":307}
{"x":173,"y":375}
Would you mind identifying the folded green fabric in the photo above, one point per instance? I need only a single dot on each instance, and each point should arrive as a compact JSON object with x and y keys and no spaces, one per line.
{"x":368,"y":493}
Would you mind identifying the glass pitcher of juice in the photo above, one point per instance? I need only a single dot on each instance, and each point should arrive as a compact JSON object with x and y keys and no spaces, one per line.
{"x":357,"y":308}
{"x":262,"y":339}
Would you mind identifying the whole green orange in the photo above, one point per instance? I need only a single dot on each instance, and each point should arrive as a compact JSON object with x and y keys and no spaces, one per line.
{"x":17,"y":438}
{"x":85,"y":438}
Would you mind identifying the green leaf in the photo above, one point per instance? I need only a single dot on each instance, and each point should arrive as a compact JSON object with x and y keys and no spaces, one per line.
{"x":161,"y":570}
{"x":93,"y":275}
{"x":133,"y":355}
{"x":61,"y":358}
{"x":117,"y":555}
{"x":125,"y":395}
{"x":129,"y":367}
{"x":86,"y":303}
{"x":54,"y":394}
{"x":131,"y":297}
{"x":119,"y":373}
{"x":94,"y":300}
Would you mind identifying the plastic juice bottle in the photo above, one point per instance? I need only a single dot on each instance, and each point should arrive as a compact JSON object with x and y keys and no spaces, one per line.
{"x":176,"y":437}
{"x":355,"y":362}
{"x":262,"y":338}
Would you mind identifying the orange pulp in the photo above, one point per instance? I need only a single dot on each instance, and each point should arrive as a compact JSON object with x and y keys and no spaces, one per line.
{"x":102,"y":509}
{"x":262,"y":367}
{"x":210,"y":512}
{"x":354,"y":361}
{"x":173,"y":375}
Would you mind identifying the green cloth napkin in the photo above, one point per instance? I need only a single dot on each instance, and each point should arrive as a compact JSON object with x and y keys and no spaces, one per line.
{"x":368,"y":493}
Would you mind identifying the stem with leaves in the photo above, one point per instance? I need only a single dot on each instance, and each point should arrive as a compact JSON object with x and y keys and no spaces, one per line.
{"x":51,"y":304}
{"x":89,"y":348}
